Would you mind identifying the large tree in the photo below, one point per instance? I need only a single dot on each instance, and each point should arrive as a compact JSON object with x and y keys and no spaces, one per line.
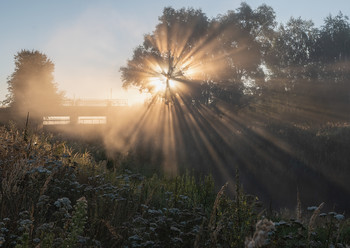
{"x":170,"y":53}
{"x":204,"y":59}
{"x":31,"y":86}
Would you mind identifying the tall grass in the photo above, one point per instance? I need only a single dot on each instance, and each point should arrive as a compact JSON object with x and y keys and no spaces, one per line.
{"x":53,"y":196}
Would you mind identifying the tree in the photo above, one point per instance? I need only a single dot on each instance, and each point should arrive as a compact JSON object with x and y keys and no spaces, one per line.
{"x":333,"y":49}
{"x":168,"y":53}
{"x":206,"y":59}
{"x":31,"y":86}
{"x":332,"y":54}
{"x":290,"y":57}
{"x":310,"y":66}
{"x":243,"y":37}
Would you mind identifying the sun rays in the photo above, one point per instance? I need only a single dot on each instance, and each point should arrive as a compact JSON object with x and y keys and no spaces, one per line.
{"x":173,"y":65}
{"x":210,"y":122}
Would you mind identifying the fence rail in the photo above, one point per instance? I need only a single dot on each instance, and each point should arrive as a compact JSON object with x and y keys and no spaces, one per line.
{"x":95,"y":102}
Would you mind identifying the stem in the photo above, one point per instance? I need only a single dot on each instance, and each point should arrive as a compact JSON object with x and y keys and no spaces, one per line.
{"x":25,"y":135}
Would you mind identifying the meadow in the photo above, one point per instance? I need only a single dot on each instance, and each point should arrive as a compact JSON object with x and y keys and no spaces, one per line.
{"x":53,"y":194}
{"x":242,"y":139}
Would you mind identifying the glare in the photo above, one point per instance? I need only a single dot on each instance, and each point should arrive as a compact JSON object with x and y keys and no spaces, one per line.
{"x":172,"y":83}
{"x":56,"y":120}
{"x":159,"y":84}
{"x":92,"y":120}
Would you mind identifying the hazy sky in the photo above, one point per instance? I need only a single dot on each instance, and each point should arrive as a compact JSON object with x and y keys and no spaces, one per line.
{"x":88,"y":40}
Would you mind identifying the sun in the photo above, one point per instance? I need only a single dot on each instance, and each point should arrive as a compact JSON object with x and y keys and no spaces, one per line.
{"x":167,"y":76}
{"x":157,"y":84}
{"x":161,"y":83}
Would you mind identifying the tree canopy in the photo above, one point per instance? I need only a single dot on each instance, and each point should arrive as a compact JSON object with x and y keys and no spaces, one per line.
{"x":206,"y":59}
{"x":31,"y":86}
{"x":240,"y":52}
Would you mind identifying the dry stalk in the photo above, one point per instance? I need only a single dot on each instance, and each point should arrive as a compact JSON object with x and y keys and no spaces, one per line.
{"x":47,"y":181}
{"x":298,"y":210}
{"x":212,"y":221}
{"x":262,"y":229}
{"x":216,"y":204}
{"x":149,"y":198}
{"x":12,"y":178}
{"x":215,"y":233}
{"x":313,"y":220}
{"x":112,"y":231}
{"x":199,"y":234}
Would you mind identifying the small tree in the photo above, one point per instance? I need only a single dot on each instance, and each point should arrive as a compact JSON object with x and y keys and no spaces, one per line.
{"x":31,"y":86}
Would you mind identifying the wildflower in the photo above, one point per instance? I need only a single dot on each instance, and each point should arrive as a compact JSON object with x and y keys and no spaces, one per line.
{"x":2,"y":240}
{"x":63,"y":202}
{"x":313,"y":208}
{"x":339,"y":217}
{"x":281,"y":223}
{"x":263,"y":229}
{"x":36,"y":240}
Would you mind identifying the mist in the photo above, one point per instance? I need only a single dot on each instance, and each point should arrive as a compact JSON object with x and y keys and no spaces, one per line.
{"x":224,"y":94}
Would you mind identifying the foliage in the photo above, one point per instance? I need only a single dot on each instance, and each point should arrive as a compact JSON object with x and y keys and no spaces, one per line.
{"x":31,"y":86}
{"x":242,"y":53}
{"x":207,"y":59}
{"x":311,"y":62}
{"x":53,"y":197}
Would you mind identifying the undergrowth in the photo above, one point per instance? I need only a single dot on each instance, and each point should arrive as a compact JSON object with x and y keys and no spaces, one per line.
{"x":52,"y":196}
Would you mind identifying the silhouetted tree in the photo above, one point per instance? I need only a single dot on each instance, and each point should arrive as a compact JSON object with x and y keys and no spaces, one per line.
{"x":243,"y":37}
{"x":209,"y":59}
{"x":31,"y":86}
{"x":289,"y":58}
{"x":167,"y":53}
{"x":332,"y":49}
